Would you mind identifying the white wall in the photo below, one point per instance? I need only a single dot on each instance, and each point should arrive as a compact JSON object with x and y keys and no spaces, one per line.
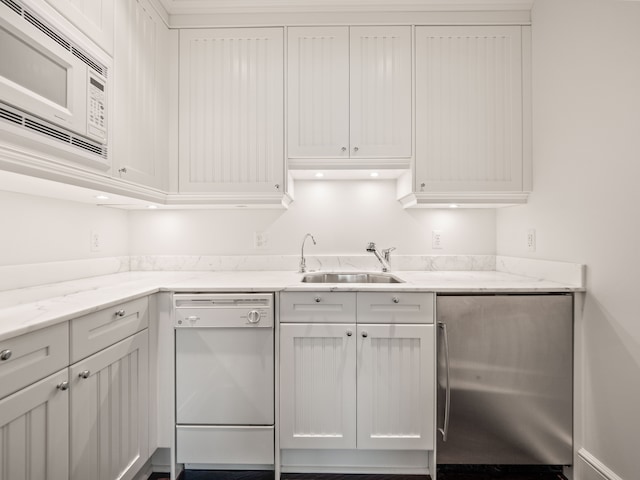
{"x":38,"y":229}
{"x":586,"y":154}
{"x":343,"y":216}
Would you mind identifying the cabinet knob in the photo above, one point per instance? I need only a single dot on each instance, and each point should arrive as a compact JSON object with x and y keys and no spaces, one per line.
{"x":349,"y":333}
{"x":84,"y":374}
{"x":365,"y":334}
{"x":122,"y":170}
{"x":5,"y":354}
{"x":277,"y":185}
{"x":422,"y":185}
{"x":62,"y":386}
{"x":120,"y":313}
{"x":355,"y":149}
{"x":317,"y":299}
{"x":395,"y":300}
{"x":344,"y":149}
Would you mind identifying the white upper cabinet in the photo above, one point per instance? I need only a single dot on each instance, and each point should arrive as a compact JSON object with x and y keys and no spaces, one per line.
{"x":231,"y":110}
{"x":349,"y":92}
{"x":318,"y":91}
{"x":142,"y":90}
{"x":469,"y":109}
{"x":95,"y":18}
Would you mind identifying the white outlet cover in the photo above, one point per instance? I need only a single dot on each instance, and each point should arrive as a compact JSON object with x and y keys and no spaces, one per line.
{"x":531,"y":240}
{"x":260,"y":240}
{"x":95,"y":241}
{"x":436,"y":239}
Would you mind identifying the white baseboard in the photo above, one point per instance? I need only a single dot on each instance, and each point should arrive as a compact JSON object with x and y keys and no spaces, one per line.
{"x":596,"y":466}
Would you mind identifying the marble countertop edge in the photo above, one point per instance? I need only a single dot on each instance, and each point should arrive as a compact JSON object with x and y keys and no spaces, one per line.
{"x":29,"y":309}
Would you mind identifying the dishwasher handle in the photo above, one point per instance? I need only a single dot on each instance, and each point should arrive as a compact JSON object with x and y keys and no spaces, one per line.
{"x":447,"y":403}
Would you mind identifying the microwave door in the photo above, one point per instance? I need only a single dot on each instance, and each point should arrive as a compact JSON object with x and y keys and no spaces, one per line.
{"x":40,"y":77}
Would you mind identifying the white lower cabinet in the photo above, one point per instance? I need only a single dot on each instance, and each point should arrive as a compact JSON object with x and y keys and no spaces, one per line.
{"x":34,"y":431}
{"x":109,"y":411}
{"x":395,"y":378}
{"x":358,"y":385}
{"x":317,"y":386}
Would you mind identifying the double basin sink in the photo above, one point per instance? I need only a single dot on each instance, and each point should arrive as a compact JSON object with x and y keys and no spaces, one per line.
{"x":350,"y":277}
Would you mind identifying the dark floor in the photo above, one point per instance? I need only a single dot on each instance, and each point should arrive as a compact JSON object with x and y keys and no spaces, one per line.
{"x":453,"y":472}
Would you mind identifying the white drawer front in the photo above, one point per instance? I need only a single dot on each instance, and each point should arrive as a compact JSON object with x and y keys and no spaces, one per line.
{"x":317,"y":307}
{"x":93,"y":332}
{"x":227,"y":445}
{"x":395,"y":307}
{"x":33,"y":356}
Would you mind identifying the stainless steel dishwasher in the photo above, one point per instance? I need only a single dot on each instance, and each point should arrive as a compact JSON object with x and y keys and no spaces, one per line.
{"x":505,"y":379}
{"x":224,"y":381}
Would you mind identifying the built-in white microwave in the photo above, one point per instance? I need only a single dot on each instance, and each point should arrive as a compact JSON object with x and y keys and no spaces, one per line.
{"x":49,"y":85}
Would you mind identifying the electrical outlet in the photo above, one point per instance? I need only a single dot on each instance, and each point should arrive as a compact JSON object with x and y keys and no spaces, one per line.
{"x":95,"y":241}
{"x":531,"y":240}
{"x":260,"y":240}
{"x":436,"y":239}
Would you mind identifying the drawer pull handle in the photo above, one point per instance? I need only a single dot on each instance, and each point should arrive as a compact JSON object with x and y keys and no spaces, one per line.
{"x":84,"y":374}
{"x":62,"y":386}
{"x":396,"y":300}
{"x":5,"y":354}
{"x":365,"y":334}
{"x":120,"y":313}
{"x":317,"y":299}
{"x":349,"y":333}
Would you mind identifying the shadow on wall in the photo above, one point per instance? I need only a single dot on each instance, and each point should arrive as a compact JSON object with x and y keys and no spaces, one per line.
{"x":611,"y":375}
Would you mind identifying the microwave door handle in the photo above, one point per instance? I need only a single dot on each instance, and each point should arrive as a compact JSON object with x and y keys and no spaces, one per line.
{"x":447,"y":403}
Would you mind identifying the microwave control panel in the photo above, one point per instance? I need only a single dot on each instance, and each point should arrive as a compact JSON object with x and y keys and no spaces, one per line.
{"x":97,"y":108}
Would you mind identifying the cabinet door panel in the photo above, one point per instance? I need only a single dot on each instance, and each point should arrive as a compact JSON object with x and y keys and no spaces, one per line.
{"x":469,"y":108}
{"x":109,"y":422}
{"x":93,"y":17}
{"x":142,"y":94}
{"x":34,"y":431}
{"x":317,"y":386}
{"x":318,"y":92}
{"x":396,"y":387}
{"x":231,"y":110}
{"x":380,"y":92}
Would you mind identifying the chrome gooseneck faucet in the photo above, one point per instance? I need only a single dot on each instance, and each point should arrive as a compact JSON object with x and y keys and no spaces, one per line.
{"x":384,"y":257}
{"x":303,"y":262}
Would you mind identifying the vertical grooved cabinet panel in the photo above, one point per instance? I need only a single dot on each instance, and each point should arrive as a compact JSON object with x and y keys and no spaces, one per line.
{"x":34,"y":431}
{"x":380,"y":91}
{"x":318,"y":91}
{"x":93,"y":17}
{"x":395,"y":387}
{"x":469,"y":108}
{"x":141,"y":91}
{"x":318,"y":388}
{"x":109,"y":422}
{"x":231,"y":110}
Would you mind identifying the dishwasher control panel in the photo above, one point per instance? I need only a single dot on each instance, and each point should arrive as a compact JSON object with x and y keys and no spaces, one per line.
{"x":211,"y":310}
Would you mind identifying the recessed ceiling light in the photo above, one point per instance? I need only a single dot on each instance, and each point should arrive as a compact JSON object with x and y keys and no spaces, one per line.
{"x":102,"y":197}
{"x":453,"y":205}
{"x":374,"y":174}
{"x":319,"y":175}
{"x":152,"y":206}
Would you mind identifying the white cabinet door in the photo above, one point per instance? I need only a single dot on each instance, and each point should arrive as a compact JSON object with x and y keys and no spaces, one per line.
{"x":395,"y":387}
{"x":318,"y":92}
{"x":231,"y":110}
{"x":93,"y":17}
{"x":349,"y":92}
{"x":109,"y":411}
{"x":469,"y":109}
{"x":317,"y":386}
{"x":34,"y":431}
{"x":380,"y":92}
{"x":142,"y":72}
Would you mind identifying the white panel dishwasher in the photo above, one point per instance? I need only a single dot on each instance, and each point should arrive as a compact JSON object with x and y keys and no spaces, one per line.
{"x":224,"y":380}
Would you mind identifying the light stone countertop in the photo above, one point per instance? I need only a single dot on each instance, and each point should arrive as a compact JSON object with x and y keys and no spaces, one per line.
{"x":28,"y":309}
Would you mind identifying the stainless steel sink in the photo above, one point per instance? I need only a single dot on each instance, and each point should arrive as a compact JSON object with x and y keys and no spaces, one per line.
{"x":350,"y":277}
